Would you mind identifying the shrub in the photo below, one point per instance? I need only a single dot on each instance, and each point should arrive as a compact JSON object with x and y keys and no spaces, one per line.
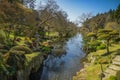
{"x":91,"y":34}
{"x":16,"y":60}
{"x":117,"y":40}
{"x":92,"y":48}
{"x":25,"y":49}
{"x":2,"y":66}
{"x":118,"y":52}
{"x":102,"y":46}
{"x":3,"y":51}
{"x":1,"y":46}
{"x":112,"y":78}
{"x":118,"y":75}
{"x":94,"y":43}
{"x":104,"y":60}
{"x":46,"y":49}
{"x":2,"y":37}
{"x":16,"y":52}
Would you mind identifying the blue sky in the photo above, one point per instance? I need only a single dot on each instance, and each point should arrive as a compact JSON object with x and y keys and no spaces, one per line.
{"x":75,"y":8}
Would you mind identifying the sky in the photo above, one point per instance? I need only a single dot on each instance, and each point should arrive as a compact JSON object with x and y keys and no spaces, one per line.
{"x":75,"y":8}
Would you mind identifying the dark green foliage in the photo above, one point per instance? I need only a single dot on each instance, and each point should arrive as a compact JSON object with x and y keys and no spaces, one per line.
{"x":16,"y":60}
{"x":25,"y":49}
{"x":117,"y":14}
{"x":94,"y":43}
{"x":118,"y":75}
{"x":3,"y":69}
{"x":3,"y":49}
{"x":91,"y":34}
{"x":112,"y":78}
{"x":2,"y":37}
{"x":92,"y":46}
{"x":117,"y":39}
{"x":104,"y":30}
{"x":102,"y":46}
{"x":118,"y":52}
{"x":16,"y":52}
{"x":1,"y":46}
{"x":107,"y":35}
{"x":46,"y":49}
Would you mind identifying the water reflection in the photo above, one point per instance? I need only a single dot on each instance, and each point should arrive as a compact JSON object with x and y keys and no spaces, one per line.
{"x":63,"y":68}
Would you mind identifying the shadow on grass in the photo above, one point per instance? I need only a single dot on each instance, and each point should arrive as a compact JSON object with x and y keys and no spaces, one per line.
{"x":117,"y":52}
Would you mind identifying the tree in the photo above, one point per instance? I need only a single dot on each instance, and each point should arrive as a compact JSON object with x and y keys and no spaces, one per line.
{"x":83,"y":19}
{"x":117,"y":14}
{"x":113,"y":26}
{"x":107,"y":35}
{"x":92,"y":35}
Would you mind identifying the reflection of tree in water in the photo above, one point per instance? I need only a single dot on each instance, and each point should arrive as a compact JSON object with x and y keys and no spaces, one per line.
{"x":64,"y":67}
{"x":53,"y":63}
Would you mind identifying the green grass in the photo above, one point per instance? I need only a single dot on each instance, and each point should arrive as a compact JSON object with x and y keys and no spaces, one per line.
{"x":112,"y":48}
{"x":93,"y":71}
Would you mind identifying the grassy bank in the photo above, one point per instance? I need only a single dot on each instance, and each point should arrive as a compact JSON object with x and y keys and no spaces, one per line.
{"x":92,"y":67}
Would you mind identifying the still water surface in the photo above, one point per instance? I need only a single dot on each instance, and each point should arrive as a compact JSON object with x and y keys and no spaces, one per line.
{"x":65,"y":67}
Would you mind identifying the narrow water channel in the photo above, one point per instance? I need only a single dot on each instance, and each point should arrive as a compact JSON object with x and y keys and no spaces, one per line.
{"x":63,"y":68}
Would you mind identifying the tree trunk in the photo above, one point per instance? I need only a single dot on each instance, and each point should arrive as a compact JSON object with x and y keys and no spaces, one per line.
{"x":107,"y":46}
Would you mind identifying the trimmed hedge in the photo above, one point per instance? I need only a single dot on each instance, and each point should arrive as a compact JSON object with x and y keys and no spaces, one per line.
{"x":102,"y":46}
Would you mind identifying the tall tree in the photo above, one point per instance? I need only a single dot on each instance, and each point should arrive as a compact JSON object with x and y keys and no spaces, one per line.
{"x":117,"y":14}
{"x":107,"y":35}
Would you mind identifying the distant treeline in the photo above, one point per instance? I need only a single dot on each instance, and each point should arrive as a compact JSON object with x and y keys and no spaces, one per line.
{"x":101,"y":28}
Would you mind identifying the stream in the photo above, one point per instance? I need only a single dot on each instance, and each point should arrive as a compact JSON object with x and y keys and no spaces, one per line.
{"x":66,"y":66}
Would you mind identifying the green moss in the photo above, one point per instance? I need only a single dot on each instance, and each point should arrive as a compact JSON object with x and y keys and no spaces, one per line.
{"x":31,"y":56}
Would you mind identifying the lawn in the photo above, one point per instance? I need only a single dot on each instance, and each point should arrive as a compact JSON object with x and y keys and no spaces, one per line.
{"x":93,"y":70}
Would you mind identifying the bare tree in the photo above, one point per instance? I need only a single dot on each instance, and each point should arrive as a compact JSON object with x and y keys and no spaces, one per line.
{"x":84,"y":17}
{"x":82,"y":20}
